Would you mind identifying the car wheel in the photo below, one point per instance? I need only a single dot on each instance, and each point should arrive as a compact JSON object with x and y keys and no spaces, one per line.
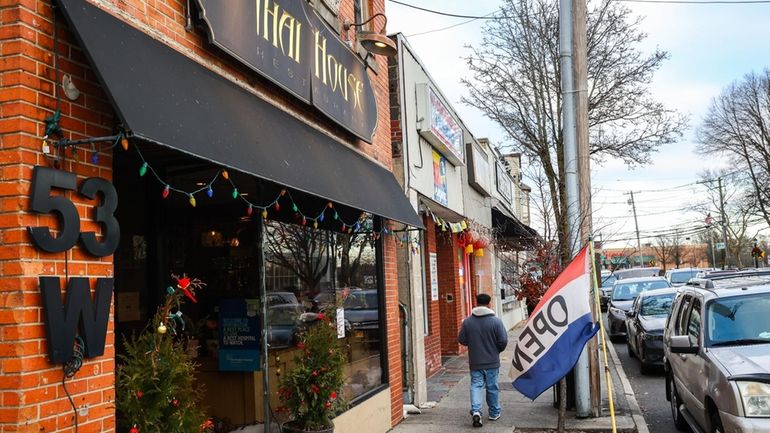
{"x":679,"y":421}
{"x":716,"y":423}
{"x":631,"y":353}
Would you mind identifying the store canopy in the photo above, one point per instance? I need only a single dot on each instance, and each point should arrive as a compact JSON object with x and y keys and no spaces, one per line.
{"x":163,"y":97}
{"x":510,"y":227}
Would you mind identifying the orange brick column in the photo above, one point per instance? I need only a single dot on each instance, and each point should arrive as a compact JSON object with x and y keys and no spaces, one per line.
{"x":31,"y":395}
{"x":433,"y":339}
{"x":450,"y":302}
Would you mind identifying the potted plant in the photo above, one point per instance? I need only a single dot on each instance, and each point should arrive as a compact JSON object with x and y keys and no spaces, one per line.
{"x":310,"y":390}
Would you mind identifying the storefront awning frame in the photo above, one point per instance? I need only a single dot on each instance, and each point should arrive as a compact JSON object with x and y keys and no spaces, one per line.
{"x":164,"y":97}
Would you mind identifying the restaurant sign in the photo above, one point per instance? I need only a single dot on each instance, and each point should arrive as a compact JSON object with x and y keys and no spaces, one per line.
{"x":287,"y":42}
{"x":439,"y":126}
{"x":504,"y":183}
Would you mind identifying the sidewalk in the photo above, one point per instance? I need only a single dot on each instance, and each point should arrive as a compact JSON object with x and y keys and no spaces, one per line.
{"x":449,"y":389}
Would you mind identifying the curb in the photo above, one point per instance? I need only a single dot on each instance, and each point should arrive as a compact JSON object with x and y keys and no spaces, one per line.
{"x":636,"y":411}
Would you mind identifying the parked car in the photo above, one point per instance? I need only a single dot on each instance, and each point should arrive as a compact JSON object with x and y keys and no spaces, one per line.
{"x":645,"y":322}
{"x":605,"y":292}
{"x":361,"y":307}
{"x":717,"y":354}
{"x":680,"y":277}
{"x":624,"y":292}
{"x":637,"y":272}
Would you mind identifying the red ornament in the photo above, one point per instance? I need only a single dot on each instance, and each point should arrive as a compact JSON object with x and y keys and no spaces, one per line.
{"x":174,"y":402}
{"x":333,"y":395}
{"x":139,"y":394}
{"x":321,"y":316}
{"x":134,"y":429}
{"x":184,"y":283}
{"x":314,"y":388}
{"x":277,"y":206}
{"x":328,"y":404}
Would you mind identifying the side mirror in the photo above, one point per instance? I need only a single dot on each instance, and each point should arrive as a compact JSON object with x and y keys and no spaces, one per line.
{"x":681,"y":344}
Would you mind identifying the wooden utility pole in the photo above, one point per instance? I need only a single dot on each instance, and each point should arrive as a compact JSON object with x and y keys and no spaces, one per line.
{"x":580,"y":78}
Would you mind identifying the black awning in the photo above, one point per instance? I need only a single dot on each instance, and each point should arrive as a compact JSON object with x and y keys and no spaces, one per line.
{"x":166,"y":98}
{"x":509,"y":226}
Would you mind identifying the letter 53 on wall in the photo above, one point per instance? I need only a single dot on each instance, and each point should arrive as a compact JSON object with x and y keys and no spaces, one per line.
{"x":44,"y":180}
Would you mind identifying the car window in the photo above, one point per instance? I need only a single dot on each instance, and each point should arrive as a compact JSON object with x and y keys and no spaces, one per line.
{"x":659,"y":305}
{"x":739,"y":319}
{"x":681,"y":321}
{"x":693,"y":324}
{"x":609,"y":280}
{"x":629,"y":291}
{"x":682,"y":276}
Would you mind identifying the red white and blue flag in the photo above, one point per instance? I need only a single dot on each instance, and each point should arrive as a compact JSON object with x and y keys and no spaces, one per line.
{"x":558,"y":328}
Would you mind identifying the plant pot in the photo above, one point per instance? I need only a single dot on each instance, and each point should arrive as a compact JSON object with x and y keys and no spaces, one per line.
{"x":288,"y":428}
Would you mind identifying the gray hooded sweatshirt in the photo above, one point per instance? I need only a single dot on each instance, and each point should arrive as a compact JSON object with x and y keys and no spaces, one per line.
{"x":485,"y":336}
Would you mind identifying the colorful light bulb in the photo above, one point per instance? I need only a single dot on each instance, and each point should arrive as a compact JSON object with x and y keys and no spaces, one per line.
{"x":249,"y":210}
{"x":235,"y":192}
{"x":225,"y":174}
{"x":124,"y":143}
{"x":166,"y":191}
{"x":192,"y":200}
{"x":264,"y":213}
{"x":143,"y":169}
{"x":210,"y":192}
{"x":336,"y":216}
{"x":277,"y":207}
{"x":294,"y":207}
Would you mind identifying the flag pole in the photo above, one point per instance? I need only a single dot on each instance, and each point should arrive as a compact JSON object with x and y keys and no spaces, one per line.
{"x":603,"y":335}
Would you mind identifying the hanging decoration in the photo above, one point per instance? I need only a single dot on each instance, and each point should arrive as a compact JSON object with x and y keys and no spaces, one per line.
{"x":304,"y":216}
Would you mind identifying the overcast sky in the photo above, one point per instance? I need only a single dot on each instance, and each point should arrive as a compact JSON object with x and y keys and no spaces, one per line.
{"x":710,"y":46}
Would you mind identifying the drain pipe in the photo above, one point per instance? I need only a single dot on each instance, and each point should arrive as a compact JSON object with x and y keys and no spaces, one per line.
{"x":407,"y":353}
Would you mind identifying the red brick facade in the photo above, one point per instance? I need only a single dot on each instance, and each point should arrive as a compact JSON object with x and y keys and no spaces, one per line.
{"x":433,"y":339}
{"x":31,"y":396}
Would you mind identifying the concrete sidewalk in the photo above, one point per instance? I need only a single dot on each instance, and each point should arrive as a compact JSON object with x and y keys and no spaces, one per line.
{"x":449,"y":388}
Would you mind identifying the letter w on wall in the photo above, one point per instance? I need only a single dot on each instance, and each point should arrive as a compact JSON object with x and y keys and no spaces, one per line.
{"x":77,"y":314}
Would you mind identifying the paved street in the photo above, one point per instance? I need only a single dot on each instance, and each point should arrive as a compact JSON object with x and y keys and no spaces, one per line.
{"x":650,"y":392}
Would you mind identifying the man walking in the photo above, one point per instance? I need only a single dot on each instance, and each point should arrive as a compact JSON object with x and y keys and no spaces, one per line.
{"x":485,"y":336}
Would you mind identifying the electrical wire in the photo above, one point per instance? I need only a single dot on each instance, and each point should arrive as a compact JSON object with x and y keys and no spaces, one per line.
{"x":443,"y":28}
{"x":447,"y":14}
{"x":695,"y":2}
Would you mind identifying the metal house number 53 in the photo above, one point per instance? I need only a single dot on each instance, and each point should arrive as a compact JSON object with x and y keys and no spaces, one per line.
{"x":41,"y":201}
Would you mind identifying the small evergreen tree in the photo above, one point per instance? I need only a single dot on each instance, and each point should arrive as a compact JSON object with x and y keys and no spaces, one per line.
{"x":156,"y":390}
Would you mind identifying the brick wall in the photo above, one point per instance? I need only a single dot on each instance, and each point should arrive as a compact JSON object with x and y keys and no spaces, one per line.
{"x":433,"y":339}
{"x":31,"y":397}
{"x":450,"y":311}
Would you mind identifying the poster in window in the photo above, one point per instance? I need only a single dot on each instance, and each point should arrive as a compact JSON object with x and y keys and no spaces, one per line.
{"x":504,"y":183}
{"x":440,"y":193}
{"x":239,"y":331}
{"x":433,"y":277}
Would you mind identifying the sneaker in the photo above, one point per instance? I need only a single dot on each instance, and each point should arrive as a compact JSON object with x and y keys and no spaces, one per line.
{"x":494,"y":418}
{"x":477,"y":419}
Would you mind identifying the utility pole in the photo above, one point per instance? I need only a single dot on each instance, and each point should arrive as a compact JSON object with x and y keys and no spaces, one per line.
{"x":636,"y":223}
{"x":570,"y":155}
{"x":724,"y":221}
{"x":587,"y":374}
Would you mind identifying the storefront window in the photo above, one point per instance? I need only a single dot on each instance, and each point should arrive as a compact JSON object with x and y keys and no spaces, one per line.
{"x":310,"y":270}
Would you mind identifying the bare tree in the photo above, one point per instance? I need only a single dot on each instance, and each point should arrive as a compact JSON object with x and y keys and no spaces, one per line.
{"x":300,"y":250}
{"x":515,"y":82}
{"x":738,"y":125}
{"x":662,"y":249}
{"x":741,"y":209}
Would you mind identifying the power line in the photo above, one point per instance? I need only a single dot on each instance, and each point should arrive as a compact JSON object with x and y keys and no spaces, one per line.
{"x":695,"y":2}
{"x":443,"y":28}
{"x":447,"y":14}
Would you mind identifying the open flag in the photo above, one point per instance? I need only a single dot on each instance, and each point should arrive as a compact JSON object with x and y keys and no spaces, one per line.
{"x":557,"y":330}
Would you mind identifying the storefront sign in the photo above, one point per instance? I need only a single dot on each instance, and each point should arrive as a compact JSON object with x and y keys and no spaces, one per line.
{"x":433,"y":277}
{"x":439,"y":126}
{"x":478,"y":169}
{"x":44,"y":180}
{"x":78,"y":316}
{"x":440,"y":192}
{"x":239,"y":331}
{"x":504,"y":183}
{"x":287,"y":42}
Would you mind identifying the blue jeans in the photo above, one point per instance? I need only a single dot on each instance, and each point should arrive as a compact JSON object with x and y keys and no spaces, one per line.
{"x":481,"y":379}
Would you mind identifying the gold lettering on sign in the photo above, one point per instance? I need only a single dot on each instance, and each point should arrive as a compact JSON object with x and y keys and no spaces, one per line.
{"x":335,"y":75}
{"x":280,"y":28}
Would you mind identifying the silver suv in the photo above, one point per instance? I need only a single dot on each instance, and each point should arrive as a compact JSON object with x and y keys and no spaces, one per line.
{"x":717,"y":354}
